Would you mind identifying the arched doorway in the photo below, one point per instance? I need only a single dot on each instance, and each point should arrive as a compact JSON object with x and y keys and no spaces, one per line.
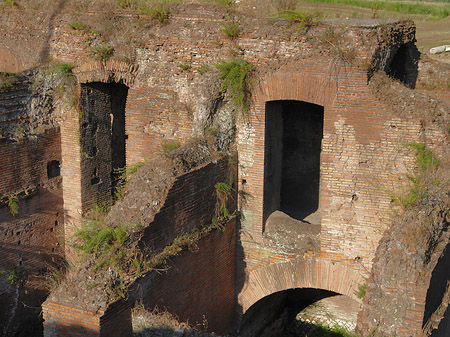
{"x":300,"y":312}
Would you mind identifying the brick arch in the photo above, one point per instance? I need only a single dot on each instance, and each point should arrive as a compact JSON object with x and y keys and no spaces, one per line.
{"x":8,"y":61}
{"x":341,"y":278}
{"x":106,"y":72}
{"x":320,"y":90}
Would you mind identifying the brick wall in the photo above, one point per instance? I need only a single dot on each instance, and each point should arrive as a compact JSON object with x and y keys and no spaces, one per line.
{"x":39,"y":221}
{"x":189,"y":204}
{"x":198,"y":286}
{"x":153,"y":116}
{"x":66,"y":320}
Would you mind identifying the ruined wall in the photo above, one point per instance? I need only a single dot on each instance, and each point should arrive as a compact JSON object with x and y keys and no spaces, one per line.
{"x":33,"y":238}
{"x":62,"y":319}
{"x":190,"y":203}
{"x":363,"y":152}
{"x":38,"y":222}
{"x":199,"y":284}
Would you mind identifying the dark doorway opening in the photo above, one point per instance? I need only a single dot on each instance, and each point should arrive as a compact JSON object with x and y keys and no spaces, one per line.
{"x":102,"y":138}
{"x":294,"y":131}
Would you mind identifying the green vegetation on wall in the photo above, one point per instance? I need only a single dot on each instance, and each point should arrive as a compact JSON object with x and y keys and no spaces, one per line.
{"x":234,"y":75}
{"x":425,"y":161}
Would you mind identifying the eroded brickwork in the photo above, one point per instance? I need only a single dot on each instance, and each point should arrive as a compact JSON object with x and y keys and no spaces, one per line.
{"x":185,"y":290}
{"x":66,"y":320}
{"x":363,"y":154}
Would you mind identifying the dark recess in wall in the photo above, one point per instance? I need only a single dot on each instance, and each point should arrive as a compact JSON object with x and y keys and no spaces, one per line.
{"x":294,"y":131}
{"x":404,"y":64}
{"x":102,"y":136}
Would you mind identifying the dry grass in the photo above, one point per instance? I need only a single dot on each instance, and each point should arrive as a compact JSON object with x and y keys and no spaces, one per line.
{"x":158,"y":322}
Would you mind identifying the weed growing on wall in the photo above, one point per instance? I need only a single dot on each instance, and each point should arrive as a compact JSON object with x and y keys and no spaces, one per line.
{"x":223,"y":191}
{"x":332,"y":38}
{"x":78,"y":25}
{"x":334,"y":331}
{"x":13,"y":204}
{"x":234,"y":75}
{"x":168,"y":146}
{"x":227,"y":4}
{"x":5,"y":3}
{"x":101,"y":241}
{"x":184,"y":67}
{"x":124,"y":174}
{"x":361,"y":292}
{"x":425,"y":161}
{"x":300,"y":19}
{"x":230,"y":29}
{"x":12,"y":277}
{"x":7,"y":81}
{"x":102,"y":51}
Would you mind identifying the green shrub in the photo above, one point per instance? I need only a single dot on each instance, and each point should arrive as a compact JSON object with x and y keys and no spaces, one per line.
{"x":227,"y":4}
{"x":101,"y":241}
{"x":425,"y":161}
{"x":159,"y":11}
{"x":185,"y":67}
{"x":7,"y":81}
{"x":124,"y":3}
{"x":124,"y":174}
{"x":203,"y":69}
{"x":103,"y":51}
{"x":168,"y":146}
{"x":361,"y":292}
{"x":79,"y":26}
{"x":223,"y":191}
{"x":301,"y":19}
{"x":4,"y":3}
{"x":230,"y":29}
{"x":334,"y":331}
{"x":13,"y":204}
{"x":235,"y":74}
{"x":12,"y":277}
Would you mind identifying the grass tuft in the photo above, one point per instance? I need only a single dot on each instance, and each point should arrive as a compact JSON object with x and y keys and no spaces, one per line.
{"x":234,"y":74}
{"x":301,"y":19}
{"x":230,"y":29}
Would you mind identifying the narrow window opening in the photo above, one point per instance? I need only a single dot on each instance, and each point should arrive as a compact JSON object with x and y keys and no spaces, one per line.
{"x":53,"y":169}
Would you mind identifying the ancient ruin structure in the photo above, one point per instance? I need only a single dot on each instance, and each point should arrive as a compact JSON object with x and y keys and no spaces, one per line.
{"x":315,"y":157}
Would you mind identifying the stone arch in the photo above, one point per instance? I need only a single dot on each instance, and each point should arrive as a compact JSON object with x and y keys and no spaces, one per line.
{"x":106,"y":72}
{"x":341,"y":278}
{"x":283,"y":85}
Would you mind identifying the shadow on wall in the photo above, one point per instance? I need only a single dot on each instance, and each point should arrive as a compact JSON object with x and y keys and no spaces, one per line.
{"x":44,"y":54}
{"x":23,"y":289}
{"x":437,"y":313}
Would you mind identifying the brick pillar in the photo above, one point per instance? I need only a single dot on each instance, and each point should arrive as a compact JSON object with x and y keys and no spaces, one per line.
{"x":71,"y":173}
